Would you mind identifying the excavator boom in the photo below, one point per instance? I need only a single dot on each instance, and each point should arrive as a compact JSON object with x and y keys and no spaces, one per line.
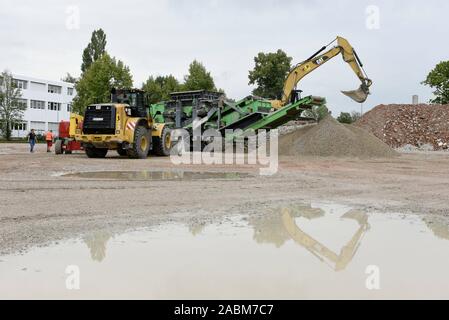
{"x":304,"y":68}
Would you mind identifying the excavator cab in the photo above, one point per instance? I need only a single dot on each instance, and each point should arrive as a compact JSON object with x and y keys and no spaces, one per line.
{"x":296,"y":95}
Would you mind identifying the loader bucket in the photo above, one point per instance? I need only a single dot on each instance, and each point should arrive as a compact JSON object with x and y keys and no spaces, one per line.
{"x":358,"y":95}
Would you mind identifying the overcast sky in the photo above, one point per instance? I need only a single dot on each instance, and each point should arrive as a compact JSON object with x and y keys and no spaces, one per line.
{"x":45,"y":39}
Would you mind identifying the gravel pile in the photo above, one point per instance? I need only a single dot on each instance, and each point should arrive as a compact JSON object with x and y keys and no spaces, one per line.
{"x":415,"y":125}
{"x":330,"y":138}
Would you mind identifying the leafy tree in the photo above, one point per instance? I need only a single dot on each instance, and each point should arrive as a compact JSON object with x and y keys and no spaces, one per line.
{"x":321,"y":112}
{"x":269,"y":73}
{"x":198,"y":78}
{"x":159,"y":88}
{"x":96,"y":83}
{"x":11,"y":111}
{"x":355,"y":116}
{"x":438,"y":79}
{"x":69,"y":78}
{"x":345,"y":117}
{"x":94,"y":50}
{"x":317,"y":112}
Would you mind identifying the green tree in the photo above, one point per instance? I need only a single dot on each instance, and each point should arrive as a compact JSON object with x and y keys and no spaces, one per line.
{"x":345,"y":117}
{"x":94,"y":50}
{"x":317,"y":112}
{"x":159,"y":88}
{"x":269,"y":73}
{"x":438,"y":79}
{"x":355,"y":115}
{"x":96,"y":83}
{"x":198,"y":78}
{"x":11,"y":109}
{"x":321,"y":112}
{"x":69,"y":78}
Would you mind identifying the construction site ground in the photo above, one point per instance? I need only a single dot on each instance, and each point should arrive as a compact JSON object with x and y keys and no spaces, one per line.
{"x":39,"y":205}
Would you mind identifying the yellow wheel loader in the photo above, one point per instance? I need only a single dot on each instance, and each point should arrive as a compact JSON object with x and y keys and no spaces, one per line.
{"x":124,"y":125}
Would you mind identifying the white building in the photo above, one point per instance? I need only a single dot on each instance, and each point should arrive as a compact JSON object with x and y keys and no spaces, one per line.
{"x":48,"y":102}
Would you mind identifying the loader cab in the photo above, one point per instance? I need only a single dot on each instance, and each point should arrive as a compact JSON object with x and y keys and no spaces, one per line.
{"x":135,"y":98}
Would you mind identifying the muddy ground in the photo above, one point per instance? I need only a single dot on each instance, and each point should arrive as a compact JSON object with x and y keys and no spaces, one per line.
{"x":38,"y":205}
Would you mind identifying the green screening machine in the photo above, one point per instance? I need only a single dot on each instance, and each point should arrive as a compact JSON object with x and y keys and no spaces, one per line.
{"x":214,"y":111}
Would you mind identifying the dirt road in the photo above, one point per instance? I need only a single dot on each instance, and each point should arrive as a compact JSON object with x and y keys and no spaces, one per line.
{"x":39,"y":205}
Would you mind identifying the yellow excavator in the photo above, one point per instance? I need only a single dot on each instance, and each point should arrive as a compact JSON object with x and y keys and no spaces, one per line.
{"x":337,"y":261}
{"x":290,"y":94}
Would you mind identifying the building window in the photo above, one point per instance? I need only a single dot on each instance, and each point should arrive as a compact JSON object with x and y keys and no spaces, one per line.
{"x":22,"y":102}
{"x":38,"y":86}
{"x":54,"y":89}
{"x":37,"y":104}
{"x":54,"y":126}
{"x":69,"y":107}
{"x":70,"y":91}
{"x":22,"y":84}
{"x":38,"y":126}
{"x":55,"y":106}
{"x":21,"y":126}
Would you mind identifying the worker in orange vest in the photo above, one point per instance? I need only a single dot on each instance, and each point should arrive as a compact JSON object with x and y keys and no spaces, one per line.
{"x":49,"y":139}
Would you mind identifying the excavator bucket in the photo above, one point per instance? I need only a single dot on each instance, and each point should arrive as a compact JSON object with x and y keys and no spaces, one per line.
{"x":358,"y":95}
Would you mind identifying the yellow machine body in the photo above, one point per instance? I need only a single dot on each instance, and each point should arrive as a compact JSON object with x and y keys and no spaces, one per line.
{"x":124,"y":130}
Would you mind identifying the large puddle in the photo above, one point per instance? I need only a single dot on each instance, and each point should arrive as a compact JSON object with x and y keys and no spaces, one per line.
{"x":156,"y":175}
{"x":319,"y":251}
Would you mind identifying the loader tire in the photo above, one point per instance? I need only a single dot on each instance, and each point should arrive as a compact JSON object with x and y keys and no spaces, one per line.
{"x":162,"y":145}
{"x":141,"y":144}
{"x":121,"y":151}
{"x":58,"y":147}
{"x":93,"y":152}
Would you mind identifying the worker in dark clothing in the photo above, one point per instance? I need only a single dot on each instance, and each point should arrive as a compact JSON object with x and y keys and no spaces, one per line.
{"x":32,"y":140}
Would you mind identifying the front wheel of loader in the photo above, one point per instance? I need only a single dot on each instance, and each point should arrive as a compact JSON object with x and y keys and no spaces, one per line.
{"x":121,"y":151}
{"x":58,"y":147}
{"x":162,"y":145}
{"x":141,"y":143}
{"x":93,"y":152}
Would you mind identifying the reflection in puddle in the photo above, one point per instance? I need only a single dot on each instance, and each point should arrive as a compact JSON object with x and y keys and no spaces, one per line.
{"x":156,"y":175}
{"x":96,"y":243}
{"x":196,"y":227}
{"x":341,"y":260}
{"x":279,"y":227}
{"x":269,"y":228}
{"x":290,"y":252}
{"x":438,"y":225}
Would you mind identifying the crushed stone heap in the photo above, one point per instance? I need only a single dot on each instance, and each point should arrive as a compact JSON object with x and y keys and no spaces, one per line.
{"x":329,"y":138}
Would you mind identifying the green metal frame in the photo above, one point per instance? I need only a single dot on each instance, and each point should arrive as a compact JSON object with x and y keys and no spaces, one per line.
{"x":248,"y":114}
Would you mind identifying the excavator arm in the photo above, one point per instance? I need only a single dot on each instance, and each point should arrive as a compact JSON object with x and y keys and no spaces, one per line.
{"x":304,"y":68}
{"x":337,"y":261}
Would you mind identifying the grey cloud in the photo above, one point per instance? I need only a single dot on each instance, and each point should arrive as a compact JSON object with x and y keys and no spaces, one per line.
{"x":161,"y":37}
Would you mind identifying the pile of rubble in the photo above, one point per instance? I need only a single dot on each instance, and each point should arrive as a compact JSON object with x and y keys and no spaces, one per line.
{"x":400,"y":125}
{"x":329,"y":138}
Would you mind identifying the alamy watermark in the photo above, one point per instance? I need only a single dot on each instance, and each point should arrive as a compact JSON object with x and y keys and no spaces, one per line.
{"x":72,"y":282}
{"x":233,"y":147}
{"x":372,"y":282}
{"x":372,"y":21}
{"x":72,"y":21}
